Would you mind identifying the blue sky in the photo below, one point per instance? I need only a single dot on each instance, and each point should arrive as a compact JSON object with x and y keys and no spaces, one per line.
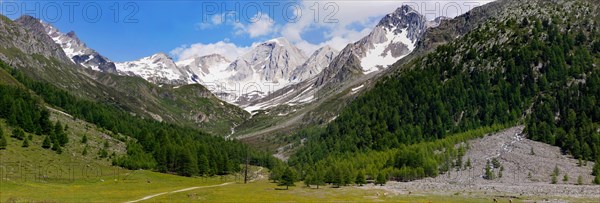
{"x":186,"y":29}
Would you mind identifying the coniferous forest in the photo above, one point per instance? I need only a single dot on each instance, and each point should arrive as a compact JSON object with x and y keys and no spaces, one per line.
{"x":542,"y":77}
{"x":414,"y":123}
{"x":156,"y":145}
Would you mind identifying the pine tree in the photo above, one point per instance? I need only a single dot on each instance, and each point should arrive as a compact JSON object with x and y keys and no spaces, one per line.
{"x":276,"y":173}
{"x":46,"y":143}
{"x":360,"y":178}
{"x":18,"y":133}
{"x":308,"y":179}
{"x":56,"y":147}
{"x":59,"y":150}
{"x":579,"y":180}
{"x":381,"y":178}
{"x":468,"y":164}
{"x":565,"y":178}
{"x":596,"y":169}
{"x":318,"y":178}
{"x":84,"y":139}
{"x":85,"y":150}
{"x":25,"y":143}
{"x":287,"y":178}
{"x":103,"y":153}
{"x":189,"y":164}
{"x":3,"y":141}
{"x":488,"y":171}
{"x":203,"y":165}
{"x":62,"y":137}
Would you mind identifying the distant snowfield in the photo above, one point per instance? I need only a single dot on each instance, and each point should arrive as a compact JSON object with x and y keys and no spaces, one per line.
{"x":152,"y":66}
{"x":380,"y":57}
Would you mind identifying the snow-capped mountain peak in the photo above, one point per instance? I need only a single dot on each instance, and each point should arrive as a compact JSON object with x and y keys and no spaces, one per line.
{"x":394,"y":37}
{"x":158,"y":68}
{"x":206,"y":69}
{"x":77,"y":51}
{"x":266,"y":68}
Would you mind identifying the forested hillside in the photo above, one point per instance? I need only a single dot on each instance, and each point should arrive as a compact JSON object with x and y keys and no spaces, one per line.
{"x":155,"y":145}
{"x":539,"y":67}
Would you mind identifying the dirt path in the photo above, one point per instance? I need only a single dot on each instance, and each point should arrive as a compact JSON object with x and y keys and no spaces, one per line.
{"x":259,"y":177}
{"x":178,"y":191}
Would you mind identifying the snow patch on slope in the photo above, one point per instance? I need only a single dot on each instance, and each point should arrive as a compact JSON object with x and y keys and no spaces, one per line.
{"x":380,"y":56}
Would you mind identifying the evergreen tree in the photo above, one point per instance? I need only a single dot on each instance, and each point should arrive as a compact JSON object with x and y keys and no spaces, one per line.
{"x":308,"y":180}
{"x":189,"y":164}
{"x":276,"y":173}
{"x":103,"y":153}
{"x":565,"y":178}
{"x":488,"y":171}
{"x":84,"y":139}
{"x":553,"y":180}
{"x":61,"y":135}
{"x":56,"y":147}
{"x":203,"y":165}
{"x":579,"y":180}
{"x":319,"y":178}
{"x":46,"y":144}
{"x":468,"y":164}
{"x":3,"y":141}
{"x":85,"y":150}
{"x":287,"y":178}
{"x":381,"y":178}
{"x":25,"y":143}
{"x":596,"y":169}
{"x":18,"y":133}
{"x":360,"y":178}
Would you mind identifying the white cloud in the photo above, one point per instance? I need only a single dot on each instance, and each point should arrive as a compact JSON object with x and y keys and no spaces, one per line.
{"x":355,"y":19}
{"x":226,"y":49}
{"x":261,"y":25}
{"x":215,"y":20}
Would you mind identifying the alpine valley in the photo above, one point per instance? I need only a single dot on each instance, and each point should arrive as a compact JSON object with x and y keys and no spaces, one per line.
{"x":501,"y":103}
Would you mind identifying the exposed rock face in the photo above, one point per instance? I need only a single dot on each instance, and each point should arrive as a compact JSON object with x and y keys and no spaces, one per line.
{"x":394,"y":37}
{"x":78,"y":52}
{"x":29,"y":37}
{"x":73,"y":50}
{"x":265,"y":69}
{"x":315,"y":64}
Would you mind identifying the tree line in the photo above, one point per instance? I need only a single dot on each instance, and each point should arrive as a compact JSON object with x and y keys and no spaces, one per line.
{"x":156,"y":145}
{"x":542,"y":76}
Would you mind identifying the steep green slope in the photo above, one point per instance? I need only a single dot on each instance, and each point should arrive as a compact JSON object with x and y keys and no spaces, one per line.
{"x":36,"y":55}
{"x":150,"y":144}
{"x":535,"y":63}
